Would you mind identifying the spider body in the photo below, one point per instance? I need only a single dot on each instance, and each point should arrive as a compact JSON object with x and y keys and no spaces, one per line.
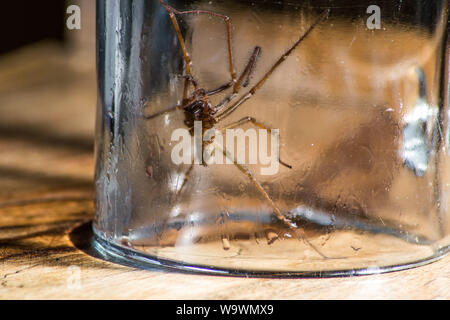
{"x":199,"y":110}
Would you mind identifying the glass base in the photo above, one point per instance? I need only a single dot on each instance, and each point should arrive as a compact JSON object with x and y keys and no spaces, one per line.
{"x":269,"y":267}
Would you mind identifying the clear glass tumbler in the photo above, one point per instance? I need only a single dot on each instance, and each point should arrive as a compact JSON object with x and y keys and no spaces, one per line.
{"x":273,"y":138}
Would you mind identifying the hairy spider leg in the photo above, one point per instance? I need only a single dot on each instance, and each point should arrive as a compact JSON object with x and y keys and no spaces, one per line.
{"x":225,"y":113}
{"x":197,"y":93}
{"x":186,"y":57}
{"x":247,"y":73}
{"x":257,"y":124}
{"x":298,"y":232}
{"x":185,"y":180}
{"x":172,"y":11}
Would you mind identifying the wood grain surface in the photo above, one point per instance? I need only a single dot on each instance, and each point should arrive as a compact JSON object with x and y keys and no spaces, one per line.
{"x":46,"y":191}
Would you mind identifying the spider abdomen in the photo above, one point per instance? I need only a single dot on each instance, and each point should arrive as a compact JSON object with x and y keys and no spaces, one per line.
{"x":198,"y":111}
{"x":195,"y":108}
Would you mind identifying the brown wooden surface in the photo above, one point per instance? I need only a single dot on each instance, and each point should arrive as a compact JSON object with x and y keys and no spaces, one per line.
{"x":46,"y":168}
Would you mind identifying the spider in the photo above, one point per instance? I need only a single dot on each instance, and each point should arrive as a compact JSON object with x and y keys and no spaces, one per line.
{"x":197,"y":107}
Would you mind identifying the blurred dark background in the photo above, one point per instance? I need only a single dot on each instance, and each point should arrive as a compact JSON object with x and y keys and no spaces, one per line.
{"x":47,"y":99}
{"x":25,"y":22}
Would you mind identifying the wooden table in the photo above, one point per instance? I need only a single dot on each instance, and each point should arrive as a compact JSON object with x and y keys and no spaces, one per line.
{"x":46,"y":168}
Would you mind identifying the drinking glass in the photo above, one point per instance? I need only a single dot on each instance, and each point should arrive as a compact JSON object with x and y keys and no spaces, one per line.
{"x":273,"y":138}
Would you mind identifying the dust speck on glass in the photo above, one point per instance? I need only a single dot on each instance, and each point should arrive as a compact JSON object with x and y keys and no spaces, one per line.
{"x":273,"y":138}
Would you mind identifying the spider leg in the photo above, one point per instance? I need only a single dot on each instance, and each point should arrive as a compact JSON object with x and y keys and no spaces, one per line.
{"x":194,"y":96}
{"x":164,"y":223}
{"x":269,"y":200}
{"x":163,"y":112}
{"x":283,"y":57}
{"x":238,"y":84}
{"x":227,"y":20}
{"x":247,"y":73}
{"x":220,"y":89}
{"x":185,"y":180}
{"x":248,"y":70}
{"x":187,"y":58}
{"x":183,"y":184}
{"x":190,"y":78}
{"x":257,"y":124}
